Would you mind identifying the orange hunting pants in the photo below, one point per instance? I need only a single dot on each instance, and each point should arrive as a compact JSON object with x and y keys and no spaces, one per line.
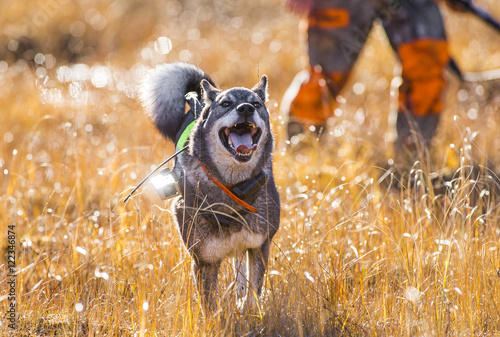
{"x":337,"y":32}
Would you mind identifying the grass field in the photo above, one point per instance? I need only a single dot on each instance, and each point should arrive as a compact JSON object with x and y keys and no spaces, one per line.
{"x":356,"y":254}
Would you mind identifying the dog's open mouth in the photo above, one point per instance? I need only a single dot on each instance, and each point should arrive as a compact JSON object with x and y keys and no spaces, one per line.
{"x":240,"y":140}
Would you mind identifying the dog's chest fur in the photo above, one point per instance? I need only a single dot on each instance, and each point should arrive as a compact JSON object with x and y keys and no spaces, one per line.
{"x":216,"y":248}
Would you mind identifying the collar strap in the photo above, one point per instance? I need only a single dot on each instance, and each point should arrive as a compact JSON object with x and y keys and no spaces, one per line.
{"x":230,"y":194}
{"x":189,"y":119}
{"x":184,"y":136}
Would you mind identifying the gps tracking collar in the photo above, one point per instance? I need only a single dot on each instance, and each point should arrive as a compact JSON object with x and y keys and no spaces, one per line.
{"x":165,"y":183}
{"x":168,"y":182}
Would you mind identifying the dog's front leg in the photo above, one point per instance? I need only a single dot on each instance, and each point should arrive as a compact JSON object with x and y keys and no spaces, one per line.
{"x":257,"y":264}
{"x":206,"y":282}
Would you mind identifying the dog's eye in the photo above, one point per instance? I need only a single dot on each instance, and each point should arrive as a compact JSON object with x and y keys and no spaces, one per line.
{"x":226,"y":104}
{"x":256,"y":104}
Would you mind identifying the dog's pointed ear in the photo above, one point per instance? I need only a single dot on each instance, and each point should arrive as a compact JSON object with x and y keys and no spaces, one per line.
{"x":261,"y":88}
{"x":209,"y":92}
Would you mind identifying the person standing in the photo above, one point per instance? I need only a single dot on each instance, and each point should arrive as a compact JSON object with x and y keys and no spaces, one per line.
{"x":337,"y":31}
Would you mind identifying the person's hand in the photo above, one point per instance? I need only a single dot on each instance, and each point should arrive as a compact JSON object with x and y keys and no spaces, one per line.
{"x":458,"y":5}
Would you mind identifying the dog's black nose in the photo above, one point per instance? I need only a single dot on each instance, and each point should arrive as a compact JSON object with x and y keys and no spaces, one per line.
{"x":245,"y":109}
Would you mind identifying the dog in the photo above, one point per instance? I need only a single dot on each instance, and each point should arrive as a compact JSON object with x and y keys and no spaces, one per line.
{"x":229,"y":205}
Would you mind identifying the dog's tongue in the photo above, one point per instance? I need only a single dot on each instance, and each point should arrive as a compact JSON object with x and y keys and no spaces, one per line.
{"x":243,"y":142}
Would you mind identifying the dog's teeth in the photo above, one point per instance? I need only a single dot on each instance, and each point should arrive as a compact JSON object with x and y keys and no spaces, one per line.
{"x":245,"y":154}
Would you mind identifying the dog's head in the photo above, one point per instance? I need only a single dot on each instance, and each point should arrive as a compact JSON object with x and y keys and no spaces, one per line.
{"x":235,"y":129}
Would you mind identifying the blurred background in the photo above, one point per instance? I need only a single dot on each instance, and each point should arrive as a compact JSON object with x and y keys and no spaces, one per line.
{"x":83,"y":45}
{"x":235,"y":34}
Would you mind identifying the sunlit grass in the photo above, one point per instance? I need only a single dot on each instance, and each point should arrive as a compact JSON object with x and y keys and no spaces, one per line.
{"x":360,"y":251}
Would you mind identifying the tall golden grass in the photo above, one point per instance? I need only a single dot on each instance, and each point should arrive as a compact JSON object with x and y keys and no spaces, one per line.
{"x":355,"y":254}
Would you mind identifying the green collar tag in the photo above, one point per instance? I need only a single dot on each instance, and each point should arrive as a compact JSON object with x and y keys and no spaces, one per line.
{"x":185,"y":136}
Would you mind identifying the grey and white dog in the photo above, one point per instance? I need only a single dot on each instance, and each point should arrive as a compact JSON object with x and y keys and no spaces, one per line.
{"x":231,"y":143}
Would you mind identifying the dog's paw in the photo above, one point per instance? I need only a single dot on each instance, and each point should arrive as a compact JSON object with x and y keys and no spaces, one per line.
{"x":240,"y":304}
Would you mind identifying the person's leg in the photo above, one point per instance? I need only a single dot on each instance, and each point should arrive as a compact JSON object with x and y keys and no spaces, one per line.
{"x":337,"y":32}
{"x":416,"y":32}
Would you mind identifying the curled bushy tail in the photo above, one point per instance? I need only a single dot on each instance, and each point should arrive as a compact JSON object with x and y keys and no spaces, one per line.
{"x":163,"y":94}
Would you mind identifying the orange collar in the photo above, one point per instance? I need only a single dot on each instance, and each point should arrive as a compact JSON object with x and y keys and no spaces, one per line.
{"x":226,"y":189}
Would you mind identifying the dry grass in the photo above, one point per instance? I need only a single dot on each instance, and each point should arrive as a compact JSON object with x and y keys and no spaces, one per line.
{"x":354,"y":255}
